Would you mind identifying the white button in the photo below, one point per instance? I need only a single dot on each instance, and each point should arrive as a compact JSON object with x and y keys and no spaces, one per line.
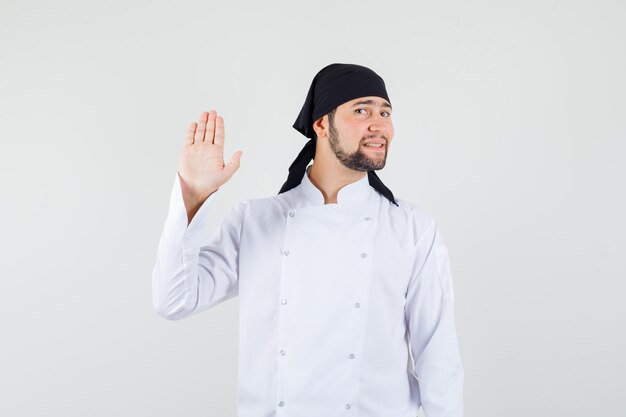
{"x":357,"y":305}
{"x":284,"y":301}
{"x":285,"y":252}
{"x":281,"y":404}
{"x":352,"y":356}
{"x":363,"y":255}
{"x":347,"y":406}
{"x":292,"y":213}
{"x":282,"y":352}
{"x":368,"y":218}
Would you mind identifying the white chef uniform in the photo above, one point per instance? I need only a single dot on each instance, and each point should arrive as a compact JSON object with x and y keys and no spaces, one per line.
{"x":333,"y":297}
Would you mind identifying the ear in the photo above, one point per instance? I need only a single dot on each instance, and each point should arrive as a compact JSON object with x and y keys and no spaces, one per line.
{"x":320,"y":126}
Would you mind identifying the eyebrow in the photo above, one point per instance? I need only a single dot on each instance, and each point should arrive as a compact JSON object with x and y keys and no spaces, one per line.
{"x":358,"y":103}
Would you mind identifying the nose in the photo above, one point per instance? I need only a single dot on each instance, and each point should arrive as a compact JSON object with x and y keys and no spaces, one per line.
{"x":379,"y":124}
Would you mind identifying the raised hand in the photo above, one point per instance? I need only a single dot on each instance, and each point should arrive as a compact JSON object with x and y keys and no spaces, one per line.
{"x":201,"y":167}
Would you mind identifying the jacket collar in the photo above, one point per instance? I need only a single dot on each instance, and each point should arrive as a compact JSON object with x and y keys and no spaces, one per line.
{"x":357,"y":192}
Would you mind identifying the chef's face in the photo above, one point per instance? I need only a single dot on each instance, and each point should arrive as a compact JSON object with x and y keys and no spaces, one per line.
{"x":355,"y":123}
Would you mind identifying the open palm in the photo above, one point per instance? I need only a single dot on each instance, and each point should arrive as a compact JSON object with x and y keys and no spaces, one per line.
{"x":201,"y":168}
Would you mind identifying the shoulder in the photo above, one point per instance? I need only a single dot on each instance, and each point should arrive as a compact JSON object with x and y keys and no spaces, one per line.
{"x":415,"y":211}
{"x":264,"y":207}
{"x":413,"y":219}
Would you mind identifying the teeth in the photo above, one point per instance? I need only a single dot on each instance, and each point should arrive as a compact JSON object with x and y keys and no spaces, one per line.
{"x":374,"y":145}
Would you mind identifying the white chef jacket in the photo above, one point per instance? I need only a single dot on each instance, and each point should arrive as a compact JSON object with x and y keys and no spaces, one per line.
{"x":332,"y":299}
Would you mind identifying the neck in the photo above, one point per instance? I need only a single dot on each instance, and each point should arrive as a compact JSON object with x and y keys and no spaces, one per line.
{"x":328,"y":175}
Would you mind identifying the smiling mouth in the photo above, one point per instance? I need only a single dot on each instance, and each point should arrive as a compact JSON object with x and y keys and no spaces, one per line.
{"x":375,"y":148}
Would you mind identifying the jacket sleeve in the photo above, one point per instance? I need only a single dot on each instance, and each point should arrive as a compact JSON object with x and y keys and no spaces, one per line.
{"x":429,"y":312}
{"x":195,"y":268}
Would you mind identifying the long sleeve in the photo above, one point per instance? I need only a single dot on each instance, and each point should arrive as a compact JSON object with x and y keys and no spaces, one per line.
{"x":195,"y":268}
{"x":429,"y":311}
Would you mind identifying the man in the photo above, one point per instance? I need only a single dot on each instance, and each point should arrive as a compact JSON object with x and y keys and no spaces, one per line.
{"x":346,"y":297}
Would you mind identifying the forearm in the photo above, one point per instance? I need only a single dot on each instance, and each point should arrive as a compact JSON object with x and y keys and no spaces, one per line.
{"x":196,"y":267}
{"x":175,"y":274}
{"x":439,"y":368}
{"x":174,"y":281}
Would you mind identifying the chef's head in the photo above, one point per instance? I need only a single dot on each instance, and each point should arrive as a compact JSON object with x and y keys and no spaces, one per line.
{"x":347,"y":113}
{"x":347,"y":116}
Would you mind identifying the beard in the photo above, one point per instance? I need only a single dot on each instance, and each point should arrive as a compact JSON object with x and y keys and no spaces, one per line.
{"x":358,"y":160}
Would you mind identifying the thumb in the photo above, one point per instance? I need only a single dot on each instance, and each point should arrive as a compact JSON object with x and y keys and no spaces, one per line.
{"x":233,"y":165}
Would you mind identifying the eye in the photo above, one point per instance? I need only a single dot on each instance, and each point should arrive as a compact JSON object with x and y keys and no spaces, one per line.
{"x":357,"y":110}
{"x":388,"y":114}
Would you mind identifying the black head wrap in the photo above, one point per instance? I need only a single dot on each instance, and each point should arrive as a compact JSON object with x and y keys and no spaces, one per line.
{"x":332,"y":86}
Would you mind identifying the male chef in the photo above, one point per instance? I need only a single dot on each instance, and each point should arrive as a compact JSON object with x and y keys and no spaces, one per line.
{"x":345,"y":292}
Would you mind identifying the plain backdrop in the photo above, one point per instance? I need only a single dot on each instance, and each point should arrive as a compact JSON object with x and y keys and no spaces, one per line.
{"x":510,"y":129}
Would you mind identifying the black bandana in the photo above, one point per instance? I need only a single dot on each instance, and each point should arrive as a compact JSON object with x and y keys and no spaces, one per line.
{"x":334,"y":85}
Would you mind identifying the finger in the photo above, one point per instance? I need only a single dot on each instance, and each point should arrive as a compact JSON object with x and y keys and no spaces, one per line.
{"x":219,"y":131}
{"x":199,"y":136}
{"x":190,"y":132}
{"x":210,"y":127}
{"x":233,"y":166}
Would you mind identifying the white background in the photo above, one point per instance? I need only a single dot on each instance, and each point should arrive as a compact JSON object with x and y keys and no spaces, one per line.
{"x":510,"y":128}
